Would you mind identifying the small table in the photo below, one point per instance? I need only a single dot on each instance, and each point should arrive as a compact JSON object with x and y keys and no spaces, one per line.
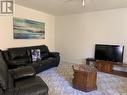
{"x":84,"y":77}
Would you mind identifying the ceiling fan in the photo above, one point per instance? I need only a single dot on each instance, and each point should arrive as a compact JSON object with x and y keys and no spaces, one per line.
{"x":83,"y":2}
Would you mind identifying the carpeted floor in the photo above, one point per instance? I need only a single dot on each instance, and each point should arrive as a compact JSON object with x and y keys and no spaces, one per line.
{"x":59,"y":81}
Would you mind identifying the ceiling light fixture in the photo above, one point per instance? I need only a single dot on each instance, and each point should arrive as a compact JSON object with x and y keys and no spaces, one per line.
{"x":83,"y":2}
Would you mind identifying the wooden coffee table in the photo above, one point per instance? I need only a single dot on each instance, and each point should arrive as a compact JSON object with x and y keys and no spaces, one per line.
{"x":84,"y":77}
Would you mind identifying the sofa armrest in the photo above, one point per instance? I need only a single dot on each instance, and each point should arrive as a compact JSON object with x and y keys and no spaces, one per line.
{"x":54,"y":54}
{"x":1,"y":91}
{"x":22,"y":72}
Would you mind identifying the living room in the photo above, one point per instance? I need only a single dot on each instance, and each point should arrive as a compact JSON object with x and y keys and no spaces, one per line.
{"x":72,"y":29}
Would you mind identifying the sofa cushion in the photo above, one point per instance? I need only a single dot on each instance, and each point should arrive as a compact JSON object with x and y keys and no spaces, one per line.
{"x":16,"y":53}
{"x":43,"y":48}
{"x":44,"y":55}
{"x":23,"y":72}
{"x":20,"y":62}
{"x":18,"y":56}
{"x":31,"y":86}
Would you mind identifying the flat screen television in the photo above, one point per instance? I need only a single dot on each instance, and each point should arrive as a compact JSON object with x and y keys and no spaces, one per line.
{"x":112,"y":53}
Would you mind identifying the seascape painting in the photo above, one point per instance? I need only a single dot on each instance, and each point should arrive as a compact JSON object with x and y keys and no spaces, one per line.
{"x":28,"y":29}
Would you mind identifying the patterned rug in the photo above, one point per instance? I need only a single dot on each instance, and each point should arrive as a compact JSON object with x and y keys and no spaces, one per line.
{"x":59,"y":81}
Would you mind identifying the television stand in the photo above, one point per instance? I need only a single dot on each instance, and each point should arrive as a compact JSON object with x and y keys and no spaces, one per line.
{"x":104,"y":66}
{"x":120,"y":67}
{"x":89,"y":60}
{"x":114,"y":68}
{"x":101,"y":65}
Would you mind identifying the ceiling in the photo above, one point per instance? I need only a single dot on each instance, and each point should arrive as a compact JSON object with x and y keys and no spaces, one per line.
{"x":64,"y":7}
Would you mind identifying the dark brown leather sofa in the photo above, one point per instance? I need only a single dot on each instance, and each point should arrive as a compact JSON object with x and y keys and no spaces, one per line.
{"x":20,"y":81}
{"x":21,"y":56}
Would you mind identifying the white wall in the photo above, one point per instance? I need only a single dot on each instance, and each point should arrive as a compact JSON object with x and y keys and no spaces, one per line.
{"x":6,"y":28}
{"x":76,"y":35}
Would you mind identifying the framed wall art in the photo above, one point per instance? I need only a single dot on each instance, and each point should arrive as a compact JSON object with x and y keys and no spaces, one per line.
{"x":28,"y":29}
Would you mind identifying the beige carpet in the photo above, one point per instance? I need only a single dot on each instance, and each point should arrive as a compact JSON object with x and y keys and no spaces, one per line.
{"x":59,"y":81}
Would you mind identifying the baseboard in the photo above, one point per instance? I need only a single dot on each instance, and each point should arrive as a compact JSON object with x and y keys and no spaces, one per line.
{"x":64,"y":61}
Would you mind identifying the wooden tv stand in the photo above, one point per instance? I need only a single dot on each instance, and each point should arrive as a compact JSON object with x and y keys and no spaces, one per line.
{"x":119,"y":69}
{"x":104,"y":66}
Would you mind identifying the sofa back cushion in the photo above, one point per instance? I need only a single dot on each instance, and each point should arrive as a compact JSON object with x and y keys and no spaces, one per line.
{"x":3,"y":72}
{"x":44,"y":55}
{"x":43,"y":48}
{"x":17,"y":53}
{"x":44,"y":52}
{"x":18,"y":56}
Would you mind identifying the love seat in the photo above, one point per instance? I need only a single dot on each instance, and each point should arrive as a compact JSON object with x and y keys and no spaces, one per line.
{"x":20,"y":81}
{"x":22,"y":56}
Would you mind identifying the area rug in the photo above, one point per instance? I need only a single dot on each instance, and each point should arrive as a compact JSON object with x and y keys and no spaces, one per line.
{"x":59,"y":81}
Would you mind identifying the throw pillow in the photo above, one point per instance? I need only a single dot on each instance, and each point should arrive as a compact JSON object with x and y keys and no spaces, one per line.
{"x":36,"y":55}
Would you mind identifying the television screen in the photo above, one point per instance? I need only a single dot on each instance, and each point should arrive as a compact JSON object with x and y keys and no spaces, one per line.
{"x":109,"y":52}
